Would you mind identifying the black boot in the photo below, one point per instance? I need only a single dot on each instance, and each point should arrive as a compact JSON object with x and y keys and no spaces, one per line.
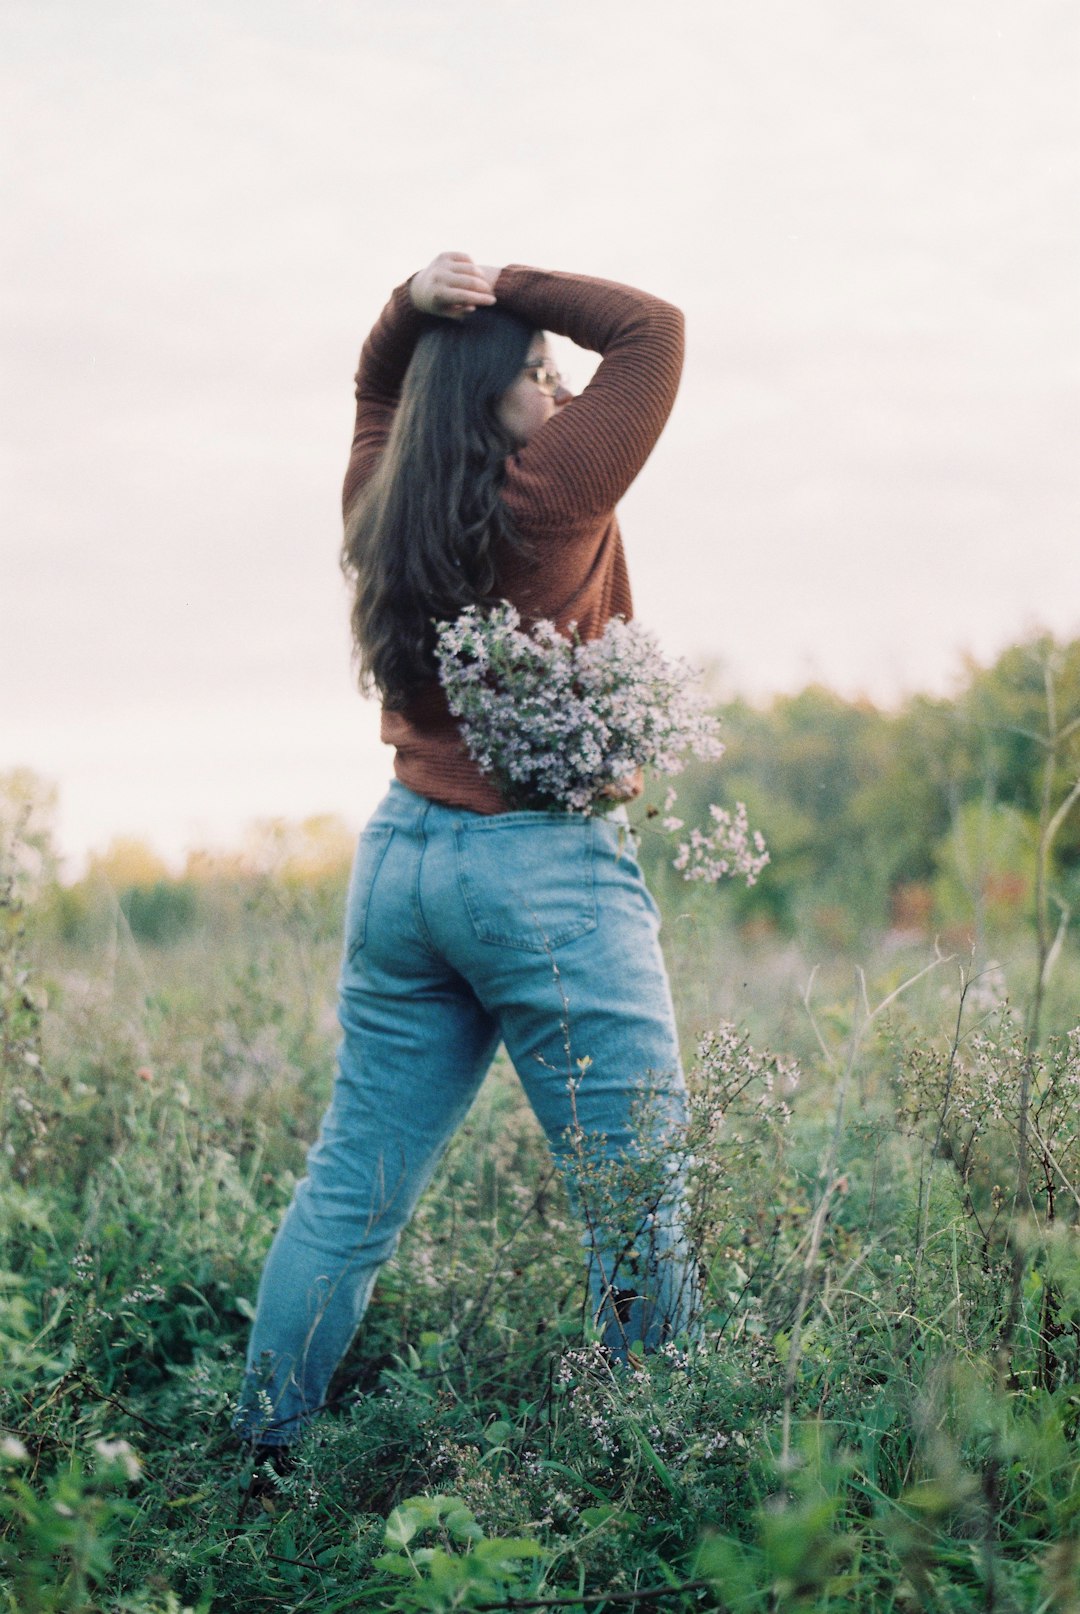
{"x":280,"y":1459}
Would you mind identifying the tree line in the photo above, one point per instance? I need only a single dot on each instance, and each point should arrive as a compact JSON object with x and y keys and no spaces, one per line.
{"x":933,"y":815}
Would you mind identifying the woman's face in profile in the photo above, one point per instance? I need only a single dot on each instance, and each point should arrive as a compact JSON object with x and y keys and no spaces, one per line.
{"x":536,"y":394}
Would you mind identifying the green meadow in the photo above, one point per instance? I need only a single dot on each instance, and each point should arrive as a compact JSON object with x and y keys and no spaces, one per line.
{"x":879,"y":1410}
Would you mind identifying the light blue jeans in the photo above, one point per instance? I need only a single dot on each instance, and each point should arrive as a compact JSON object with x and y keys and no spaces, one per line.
{"x":462,"y":930}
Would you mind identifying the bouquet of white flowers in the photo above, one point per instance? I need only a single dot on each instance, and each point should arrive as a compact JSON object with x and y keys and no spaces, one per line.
{"x":562,"y":723}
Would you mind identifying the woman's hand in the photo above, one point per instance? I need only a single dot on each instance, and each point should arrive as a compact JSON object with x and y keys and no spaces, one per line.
{"x":452,"y":286}
{"x":625,"y":789}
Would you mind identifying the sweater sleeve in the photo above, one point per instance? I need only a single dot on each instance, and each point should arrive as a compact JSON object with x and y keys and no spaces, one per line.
{"x":582,"y":461}
{"x":384,"y":360}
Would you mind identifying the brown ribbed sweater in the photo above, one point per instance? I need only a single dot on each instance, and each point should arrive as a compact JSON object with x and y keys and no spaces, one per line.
{"x":561,"y":488}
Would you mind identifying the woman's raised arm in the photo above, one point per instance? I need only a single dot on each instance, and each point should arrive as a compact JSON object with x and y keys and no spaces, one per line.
{"x":582,"y":461}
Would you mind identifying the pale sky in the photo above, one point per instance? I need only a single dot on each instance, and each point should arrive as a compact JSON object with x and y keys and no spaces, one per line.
{"x":867,"y":209}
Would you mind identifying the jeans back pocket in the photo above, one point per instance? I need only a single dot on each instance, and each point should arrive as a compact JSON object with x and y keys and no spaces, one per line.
{"x":527,"y":879}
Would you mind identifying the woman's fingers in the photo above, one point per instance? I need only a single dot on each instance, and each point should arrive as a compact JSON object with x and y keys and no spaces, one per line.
{"x":472,"y":298}
{"x":452,"y":285}
{"x":459,"y":268}
{"x":462,"y":296}
{"x":469,"y":280}
{"x":468,"y":292}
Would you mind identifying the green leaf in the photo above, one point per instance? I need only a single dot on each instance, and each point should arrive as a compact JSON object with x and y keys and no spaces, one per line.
{"x":402,"y":1525}
{"x":392,"y":1563}
{"x":657,"y":1462}
{"x":497,"y":1550}
{"x":608,"y":1513}
{"x":725,"y":1562}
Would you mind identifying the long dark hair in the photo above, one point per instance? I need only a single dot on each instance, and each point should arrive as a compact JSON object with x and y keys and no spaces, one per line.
{"x":423,"y":534}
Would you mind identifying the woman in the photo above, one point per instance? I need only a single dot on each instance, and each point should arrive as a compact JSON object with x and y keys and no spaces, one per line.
{"x":475,"y":476}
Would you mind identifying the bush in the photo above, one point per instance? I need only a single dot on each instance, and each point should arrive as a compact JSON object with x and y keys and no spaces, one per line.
{"x":159,"y":913}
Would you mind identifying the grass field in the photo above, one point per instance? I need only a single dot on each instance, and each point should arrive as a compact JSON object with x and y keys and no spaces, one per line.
{"x":879,"y":1411}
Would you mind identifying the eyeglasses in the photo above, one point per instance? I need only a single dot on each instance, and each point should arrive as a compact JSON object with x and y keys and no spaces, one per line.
{"x":547,"y":378}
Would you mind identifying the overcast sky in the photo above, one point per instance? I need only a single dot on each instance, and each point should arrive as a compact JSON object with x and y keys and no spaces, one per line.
{"x":867,"y":208}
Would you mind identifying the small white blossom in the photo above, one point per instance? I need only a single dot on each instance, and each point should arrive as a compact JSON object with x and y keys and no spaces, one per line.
{"x":727,"y":848}
{"x":120,"y":1454}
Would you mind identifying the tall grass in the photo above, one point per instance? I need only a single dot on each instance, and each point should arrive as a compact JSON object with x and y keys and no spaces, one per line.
{"x":879,"y":1411}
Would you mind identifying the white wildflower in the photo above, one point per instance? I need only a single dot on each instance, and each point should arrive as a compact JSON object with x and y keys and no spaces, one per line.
{"x":120,"y":1455}
{"x":564,"y":724}
{"x":558,"y":721}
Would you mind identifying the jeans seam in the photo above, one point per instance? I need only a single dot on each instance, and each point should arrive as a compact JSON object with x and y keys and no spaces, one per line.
{"x":417,"y":906}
